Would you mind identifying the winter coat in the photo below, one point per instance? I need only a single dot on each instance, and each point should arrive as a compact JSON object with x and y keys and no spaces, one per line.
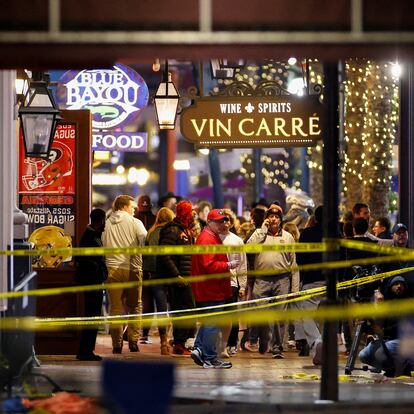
{"x":123,"y":230}
{"x":269,"y":260}
{"x":311,"y":235}
{"x":210,"y":263}
{"x":91,"y":269}
{"x":239,"y":274}
{"x":174,"y":234}
{"x":150,"y":261}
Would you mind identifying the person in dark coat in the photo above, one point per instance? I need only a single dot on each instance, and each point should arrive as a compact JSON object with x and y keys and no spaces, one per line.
{"x":308,"y":332}
{"x":178,"y":233}
{"x":91,"y":271}
{"x":383,"y":353}
{"x":145,"y":214}
{"x":400,"y":238}
{"x":382,"y":228}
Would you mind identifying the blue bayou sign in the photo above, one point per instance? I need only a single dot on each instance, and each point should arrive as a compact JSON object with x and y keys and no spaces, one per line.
{"x":115,"y":96}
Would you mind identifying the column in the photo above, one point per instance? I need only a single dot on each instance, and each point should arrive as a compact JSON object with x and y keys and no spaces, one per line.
{"x":7,"y":175}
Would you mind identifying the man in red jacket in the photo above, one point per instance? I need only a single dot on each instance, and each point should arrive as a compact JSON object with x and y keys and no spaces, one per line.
{"x":213,"y":292}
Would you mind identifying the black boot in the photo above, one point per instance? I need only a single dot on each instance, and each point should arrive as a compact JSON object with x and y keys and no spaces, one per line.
{"x":303,"y":347}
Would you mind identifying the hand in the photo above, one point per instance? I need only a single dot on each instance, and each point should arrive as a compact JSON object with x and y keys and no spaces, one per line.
{"x":378,"y":296}
{"x":233,"y":264}
{"x":242,"y":293}
{"x":265,"y":225}
{"x":181,"y":281}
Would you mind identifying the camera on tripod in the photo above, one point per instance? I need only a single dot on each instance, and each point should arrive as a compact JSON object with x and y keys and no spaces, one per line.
{"x":362,"y":293}
{"x":365,"y":292}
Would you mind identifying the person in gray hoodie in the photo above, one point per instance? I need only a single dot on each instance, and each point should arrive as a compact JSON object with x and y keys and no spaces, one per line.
{"x":124,"y":230}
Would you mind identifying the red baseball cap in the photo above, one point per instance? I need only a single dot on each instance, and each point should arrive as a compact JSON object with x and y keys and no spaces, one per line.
{"x":216,"y":214}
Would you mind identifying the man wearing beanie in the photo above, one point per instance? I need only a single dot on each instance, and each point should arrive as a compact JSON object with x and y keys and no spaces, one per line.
{"x":271,"y":232}
{"x":177,"y":233}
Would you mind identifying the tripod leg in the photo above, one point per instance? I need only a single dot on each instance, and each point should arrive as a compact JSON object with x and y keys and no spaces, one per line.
{"x":36,"y":360}
{"x":350,"y":362}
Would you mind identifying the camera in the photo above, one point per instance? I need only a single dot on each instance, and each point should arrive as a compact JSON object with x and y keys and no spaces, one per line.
{"x":365,"y":292}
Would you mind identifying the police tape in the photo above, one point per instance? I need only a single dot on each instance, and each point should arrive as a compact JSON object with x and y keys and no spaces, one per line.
{"x":396,"y":308}
{"x":237,"y":314}
{"x":381,"y":247}
{"x":174,"y":250}
{"x":201,"y":278}
{"x":328,"y":244}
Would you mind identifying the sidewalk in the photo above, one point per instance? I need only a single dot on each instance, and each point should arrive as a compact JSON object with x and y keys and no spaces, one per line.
{"x":254,"y":378}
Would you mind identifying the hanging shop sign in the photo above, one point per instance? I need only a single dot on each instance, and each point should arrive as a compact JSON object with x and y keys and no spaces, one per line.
{"x":120,"y":141}
{"x":246,"y":122}
{"x":114,"y":96}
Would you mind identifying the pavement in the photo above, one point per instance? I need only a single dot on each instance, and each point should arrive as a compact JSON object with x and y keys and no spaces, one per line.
{"x":254,"y":379}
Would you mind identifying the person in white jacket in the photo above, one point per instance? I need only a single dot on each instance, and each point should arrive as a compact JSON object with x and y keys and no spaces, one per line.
{"x":124,"y":230}
{"x":238,"y":284}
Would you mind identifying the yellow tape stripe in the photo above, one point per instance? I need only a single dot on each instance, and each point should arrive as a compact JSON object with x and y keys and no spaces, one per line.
{"x":172,"y":250}
{"x":327,"y":245}
{"x":374,"y":247}
{"x":46,"y":323}
{"x":168,"y":281}
{"x":328,"y":313}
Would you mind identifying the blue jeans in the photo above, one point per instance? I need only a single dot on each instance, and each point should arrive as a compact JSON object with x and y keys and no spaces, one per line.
{"x":207,"y":335}
{"x":374,"y":354}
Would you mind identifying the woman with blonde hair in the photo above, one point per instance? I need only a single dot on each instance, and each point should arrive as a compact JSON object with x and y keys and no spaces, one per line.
{"x":164,"y":216}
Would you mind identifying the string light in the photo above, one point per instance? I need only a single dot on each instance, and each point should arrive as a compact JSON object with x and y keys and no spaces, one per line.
{"x":369,"y":133}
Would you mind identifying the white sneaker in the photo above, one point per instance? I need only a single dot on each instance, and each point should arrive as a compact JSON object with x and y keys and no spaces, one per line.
{"x":190,"y":343}
{"x":291,"y":344}
{"x":232,"y":350}
{"x":251,"y":347}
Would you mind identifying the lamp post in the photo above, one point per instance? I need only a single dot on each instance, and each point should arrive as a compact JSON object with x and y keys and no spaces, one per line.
{"x":166,"y":101}
{"x":38,"y":118}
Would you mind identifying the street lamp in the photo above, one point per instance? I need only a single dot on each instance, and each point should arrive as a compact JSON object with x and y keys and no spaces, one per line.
{"x":166,"y":101}
{"x":21,"y":84}
{"x":38,"y":117}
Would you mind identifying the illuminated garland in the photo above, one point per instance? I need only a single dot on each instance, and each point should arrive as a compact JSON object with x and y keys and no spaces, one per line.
{"x":315,"y":154}
{"x":371,"y":116}
{"x":274,"y":167}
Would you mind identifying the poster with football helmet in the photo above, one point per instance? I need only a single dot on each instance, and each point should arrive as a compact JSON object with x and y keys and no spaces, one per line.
{"x":47,"y":194}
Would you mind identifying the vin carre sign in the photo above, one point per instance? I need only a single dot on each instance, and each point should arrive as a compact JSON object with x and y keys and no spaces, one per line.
{"x":245,"y":122}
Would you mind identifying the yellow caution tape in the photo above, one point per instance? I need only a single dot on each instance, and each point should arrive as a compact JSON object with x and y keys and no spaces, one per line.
{"x":191,"y":279}
{"x":302,"y":376}
{"x":374,"y":247}
{"x":247,"y":316}
{"x":327,"y":245}
{"x":173,"y":250}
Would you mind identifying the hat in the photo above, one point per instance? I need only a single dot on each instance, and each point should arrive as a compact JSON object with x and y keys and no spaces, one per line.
{"x":144,"y":202}
{"x":216,"y":214}
{"x":165,"y":197}
{"x":274,"y":209}
{"x":397,"y":279}
{"x":184,"y":212}
{"x":398,"y":227}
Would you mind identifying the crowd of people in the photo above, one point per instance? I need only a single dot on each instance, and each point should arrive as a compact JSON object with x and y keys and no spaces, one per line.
{"x":180,"y":223}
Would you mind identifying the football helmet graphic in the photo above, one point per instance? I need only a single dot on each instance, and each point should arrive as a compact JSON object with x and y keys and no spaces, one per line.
{"x":50,"y":237}
{"x":41,"y":173}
